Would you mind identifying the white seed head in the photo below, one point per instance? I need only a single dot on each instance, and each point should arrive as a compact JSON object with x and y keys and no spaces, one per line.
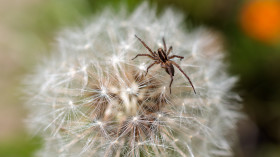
{"x":115,"y":110}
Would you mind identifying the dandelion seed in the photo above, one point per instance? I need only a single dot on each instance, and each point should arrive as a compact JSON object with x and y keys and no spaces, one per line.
{"x":99,"y":123}
{"x":128,"y":90}
{"x":135,"y":119}
{"x":125,"y":45}
{"x":115,"y":60}
{"x":71,"y":72}
{"x":103,"y":91}
{"x":87,"y":46}
{"x":115,"y":142}
{"x":142,"y":66}
{"x":70,"y":103}
{"x":84,"y":69}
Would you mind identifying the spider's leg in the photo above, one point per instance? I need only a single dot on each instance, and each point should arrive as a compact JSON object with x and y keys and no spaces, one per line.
{"x":170,"y":73}
{"x":147,"y":47}
{"x":144,"y":55}
{"x":156,"y":56}
{"x":184,"y":74}
{"x":175,"y":56}
{"x":156,"y":62}
{"x":164,"y":45}
{"x":169,"y":50}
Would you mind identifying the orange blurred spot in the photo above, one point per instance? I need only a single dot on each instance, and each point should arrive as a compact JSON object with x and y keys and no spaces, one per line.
{"x":261,"y":19}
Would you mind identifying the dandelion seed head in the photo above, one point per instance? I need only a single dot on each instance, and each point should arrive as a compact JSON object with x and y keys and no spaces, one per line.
{"x":93,"y":100}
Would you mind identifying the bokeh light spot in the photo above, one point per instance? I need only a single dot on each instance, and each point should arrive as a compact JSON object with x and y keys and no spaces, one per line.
{"x":260,"y":19}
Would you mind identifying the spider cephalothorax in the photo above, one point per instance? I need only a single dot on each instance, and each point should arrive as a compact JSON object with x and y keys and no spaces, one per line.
{"x":162,"y":57}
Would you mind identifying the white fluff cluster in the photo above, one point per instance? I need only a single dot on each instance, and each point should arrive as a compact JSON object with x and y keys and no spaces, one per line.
{"x":90,"y":99}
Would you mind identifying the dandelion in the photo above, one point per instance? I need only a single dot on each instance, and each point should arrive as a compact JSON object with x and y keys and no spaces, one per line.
{"x":90,"y":99}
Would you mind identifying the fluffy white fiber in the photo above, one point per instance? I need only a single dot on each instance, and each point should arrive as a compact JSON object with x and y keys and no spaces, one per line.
{"x":90,"y":99}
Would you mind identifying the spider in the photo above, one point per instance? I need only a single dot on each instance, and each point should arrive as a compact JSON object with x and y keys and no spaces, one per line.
{"x":162,"y":58}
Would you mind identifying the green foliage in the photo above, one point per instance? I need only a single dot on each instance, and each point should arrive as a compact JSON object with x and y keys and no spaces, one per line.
{"x":21,"y":146}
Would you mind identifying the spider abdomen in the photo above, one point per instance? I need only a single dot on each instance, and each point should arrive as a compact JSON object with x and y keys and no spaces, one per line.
{"x":171,"y":69}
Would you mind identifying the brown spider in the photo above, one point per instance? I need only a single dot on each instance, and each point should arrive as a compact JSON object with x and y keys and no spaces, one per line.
{"x":163,"y":59}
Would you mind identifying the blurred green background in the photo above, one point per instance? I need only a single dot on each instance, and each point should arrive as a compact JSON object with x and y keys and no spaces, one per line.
{"x":28,"y":29}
